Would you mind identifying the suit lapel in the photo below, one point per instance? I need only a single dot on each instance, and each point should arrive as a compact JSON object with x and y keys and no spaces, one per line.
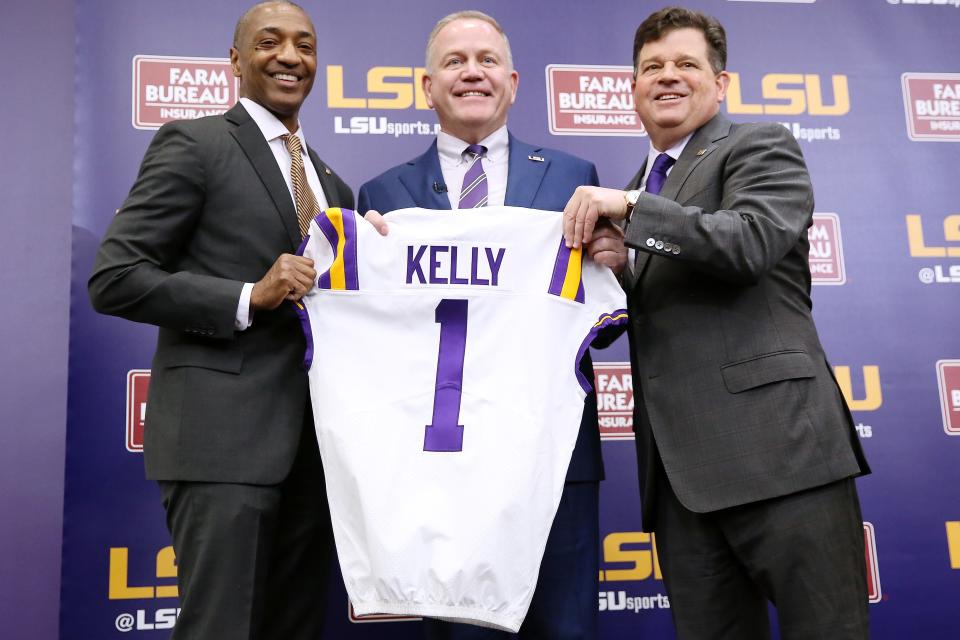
{"x":524,"y":174}
{"x":701,"y":145}
{"x":420,"y":177}
{"x":325,"y":175}
{"x":248,"y":135}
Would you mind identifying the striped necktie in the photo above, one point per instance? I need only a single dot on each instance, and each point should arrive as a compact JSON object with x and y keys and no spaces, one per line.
{"x":307,"y":206}
{"x":474,"y":191}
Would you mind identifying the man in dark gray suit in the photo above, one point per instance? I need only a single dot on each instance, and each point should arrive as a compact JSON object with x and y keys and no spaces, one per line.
{"x":745,"y":445}
{"x":203,"y":248}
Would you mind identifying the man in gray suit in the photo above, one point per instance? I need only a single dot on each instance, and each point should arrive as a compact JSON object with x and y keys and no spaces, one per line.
{"x":203,"y":248}
{"x":746,"y":448}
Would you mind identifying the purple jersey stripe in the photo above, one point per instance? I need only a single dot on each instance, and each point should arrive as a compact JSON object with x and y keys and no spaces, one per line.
{"x":614,"y":318}
{"x":307,"y":333}
{"x":350,"y":250}
{"x":579,"y":297}
{"x":559,"y":269}
{"x":330,"y":232}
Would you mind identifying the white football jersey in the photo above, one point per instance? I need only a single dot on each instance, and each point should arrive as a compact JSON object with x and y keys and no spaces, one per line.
{"x":447,"y":398}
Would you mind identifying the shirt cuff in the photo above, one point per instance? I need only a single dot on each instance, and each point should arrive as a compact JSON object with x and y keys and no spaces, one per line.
{"x":244,"y":317}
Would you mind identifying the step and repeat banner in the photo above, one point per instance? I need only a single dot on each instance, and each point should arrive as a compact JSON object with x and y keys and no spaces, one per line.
{"x":871,"y":89}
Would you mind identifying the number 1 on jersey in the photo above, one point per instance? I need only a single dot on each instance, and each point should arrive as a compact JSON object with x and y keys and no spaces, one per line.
{"x":444,"y":434}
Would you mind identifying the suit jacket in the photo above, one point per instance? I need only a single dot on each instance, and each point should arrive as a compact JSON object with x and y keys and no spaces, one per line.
{"x":734,"y":392}
{"x":209,"y":211}
{"x":538,"y":178}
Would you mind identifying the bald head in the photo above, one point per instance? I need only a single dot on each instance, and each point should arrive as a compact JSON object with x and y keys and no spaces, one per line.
{"x":245,"y":18}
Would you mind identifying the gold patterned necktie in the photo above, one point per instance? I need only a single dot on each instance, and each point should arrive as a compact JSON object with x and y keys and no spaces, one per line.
{"x":307,"y":207}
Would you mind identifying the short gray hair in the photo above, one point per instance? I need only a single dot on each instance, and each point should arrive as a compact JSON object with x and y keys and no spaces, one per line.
{"x":469,"y":14}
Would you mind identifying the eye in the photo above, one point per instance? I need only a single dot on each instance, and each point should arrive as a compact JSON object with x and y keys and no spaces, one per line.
{"x":489,"y":60}
{"x":651,"y":67}
{"x":266,"y":43}
{"x":452,"y":62}
{"x":306,"y":47}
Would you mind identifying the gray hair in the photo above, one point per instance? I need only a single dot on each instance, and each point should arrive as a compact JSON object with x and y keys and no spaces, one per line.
{"x":469,"y":14}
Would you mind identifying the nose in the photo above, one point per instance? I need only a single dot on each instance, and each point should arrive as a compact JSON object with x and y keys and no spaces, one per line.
{"x":668,"y":73}
{"x":471,"y":70}
{"x":287,"y":53}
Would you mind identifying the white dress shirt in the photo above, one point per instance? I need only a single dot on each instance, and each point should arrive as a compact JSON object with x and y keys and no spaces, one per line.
{"x":496,"y":163}
{"x":273,"y":131}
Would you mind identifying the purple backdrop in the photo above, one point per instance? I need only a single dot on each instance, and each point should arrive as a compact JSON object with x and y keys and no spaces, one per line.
{"x":36,"y":44}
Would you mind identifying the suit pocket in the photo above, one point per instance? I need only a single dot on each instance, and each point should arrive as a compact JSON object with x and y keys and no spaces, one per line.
{"x":194,"y":355}
{"x":765,"y":369}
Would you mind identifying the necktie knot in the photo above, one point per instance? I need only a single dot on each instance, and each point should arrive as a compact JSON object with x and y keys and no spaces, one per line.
{"x":475,"y":150}
{"x":293,"y":143}
{"x":658,"y":174}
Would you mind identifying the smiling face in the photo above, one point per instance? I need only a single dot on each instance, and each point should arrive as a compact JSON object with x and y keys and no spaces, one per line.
{"x":675,"y":89}
{"x":275,"y":57}
{"x":470,"y":81}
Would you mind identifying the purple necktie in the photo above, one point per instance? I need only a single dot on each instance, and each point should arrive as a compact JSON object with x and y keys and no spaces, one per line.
{"x":658,"y":175}
{"x":474,"y":191}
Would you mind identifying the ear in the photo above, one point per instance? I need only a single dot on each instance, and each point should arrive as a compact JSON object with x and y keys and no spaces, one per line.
{"x":235,"y":61}
{"x":514,"y":84}
{"x":427,"y":83}
{"x":723,"y":81}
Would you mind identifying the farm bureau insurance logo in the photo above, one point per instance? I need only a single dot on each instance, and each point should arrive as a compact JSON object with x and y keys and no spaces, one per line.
{"x":614,"y":385}
{"x":591,"y":100}
{"x":138,"y":383}
{"x":931,"y":103}
{"x":169,"y":88}
{"x":874,"y":592}
{"x":826,"y":250}
{"x":948,"y":378}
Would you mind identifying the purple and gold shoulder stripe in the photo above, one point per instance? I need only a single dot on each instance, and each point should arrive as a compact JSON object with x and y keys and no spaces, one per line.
{"x":339,"y":227}
{"x":567,"y":282}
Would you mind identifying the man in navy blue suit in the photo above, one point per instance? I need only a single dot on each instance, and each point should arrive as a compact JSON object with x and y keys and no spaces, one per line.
{"x":471,"y":83}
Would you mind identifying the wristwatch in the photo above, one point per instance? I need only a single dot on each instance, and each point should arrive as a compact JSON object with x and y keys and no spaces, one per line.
{"x":631,"y":198}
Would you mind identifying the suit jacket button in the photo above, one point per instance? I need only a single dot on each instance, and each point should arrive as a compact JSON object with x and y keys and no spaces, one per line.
{"x":659,"y":244}
{"x":667,"y":247}
{"x":650,"y":242}
{"x":676,"y":250}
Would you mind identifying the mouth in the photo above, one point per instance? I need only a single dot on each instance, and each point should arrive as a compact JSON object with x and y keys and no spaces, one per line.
{"x":668,"y":97}
{"x":473,"y":93}
{"x":285,"y":78}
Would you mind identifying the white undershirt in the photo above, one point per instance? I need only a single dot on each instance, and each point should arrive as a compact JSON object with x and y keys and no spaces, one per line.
{"x":273,"y":130}
{"x":496,"y":163}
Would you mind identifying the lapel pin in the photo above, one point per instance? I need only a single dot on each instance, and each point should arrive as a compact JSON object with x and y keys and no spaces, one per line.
{"x":535,"y":158}
{"x":701,"y":152}
{"x":326,"y":170}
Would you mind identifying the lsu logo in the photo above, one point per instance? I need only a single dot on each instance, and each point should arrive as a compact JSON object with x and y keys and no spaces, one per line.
{"x":826,"y":250}
{"x":873,"y":392}
{"x":791,"y":94}
{"x":634,"y":549}
{"x":395,"y":88}
{"x":169,"y":88}
{"x":138,"y":383}
{"x":614,"y":384}
{"x":953,"y":543}
{"x":920,"y":249}
{"x":874,"y":593}
{"x":949,"y":247}
{"x":119,"y":584}
{"x":948,"y":377}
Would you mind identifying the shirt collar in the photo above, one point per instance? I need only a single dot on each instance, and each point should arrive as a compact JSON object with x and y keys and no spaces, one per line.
{"x":451,"y":148}
{"x":269,"y":125}
{"x":674,"y":151}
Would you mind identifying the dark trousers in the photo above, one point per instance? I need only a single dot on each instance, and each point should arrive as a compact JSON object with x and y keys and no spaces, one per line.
{"x":564,"y":604}
{"x":803,"y":552}
{"x":252,"y":561}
